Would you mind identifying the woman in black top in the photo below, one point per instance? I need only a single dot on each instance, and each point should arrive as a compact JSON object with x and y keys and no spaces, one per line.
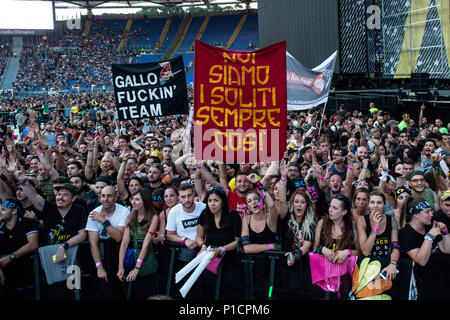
{"x":219,"y":228}
{"x":258,"y":235}
{"x":297,"y":235}
{"x":260,"y":226}
{"x":335,"y":238}
{"x":378,"y":235}
{"x":424,"y":243}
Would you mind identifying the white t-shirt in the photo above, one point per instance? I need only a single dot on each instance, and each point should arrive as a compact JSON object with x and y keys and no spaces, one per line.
{"x":184,"y":223}
{"x":118,"y":219}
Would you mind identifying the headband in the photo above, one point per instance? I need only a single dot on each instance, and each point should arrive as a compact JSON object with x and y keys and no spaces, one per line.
{"x":419,"y":207}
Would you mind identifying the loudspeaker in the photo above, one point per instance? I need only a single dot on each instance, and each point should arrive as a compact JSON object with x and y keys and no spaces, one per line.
{"x":419,"y":82}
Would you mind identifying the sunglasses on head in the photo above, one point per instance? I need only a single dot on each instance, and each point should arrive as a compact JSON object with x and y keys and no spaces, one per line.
{"x":219,"y":188}
{"x":10,"y":205}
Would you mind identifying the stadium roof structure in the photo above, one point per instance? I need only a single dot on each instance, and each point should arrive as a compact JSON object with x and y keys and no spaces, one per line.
{"x":90,"y":4}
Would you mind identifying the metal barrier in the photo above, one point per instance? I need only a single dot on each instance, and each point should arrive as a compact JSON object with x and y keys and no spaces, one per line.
{"x":248,"y":261}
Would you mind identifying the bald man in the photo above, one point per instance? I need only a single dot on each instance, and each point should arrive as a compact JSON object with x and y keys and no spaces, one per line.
{"x":107,"y":223}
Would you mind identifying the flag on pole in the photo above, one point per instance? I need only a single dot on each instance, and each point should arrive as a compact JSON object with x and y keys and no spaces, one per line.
{"x":307,"y":88}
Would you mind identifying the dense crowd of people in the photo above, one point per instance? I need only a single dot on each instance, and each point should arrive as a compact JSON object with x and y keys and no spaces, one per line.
{"x":355,"y":198}
{"x":75,"y":61}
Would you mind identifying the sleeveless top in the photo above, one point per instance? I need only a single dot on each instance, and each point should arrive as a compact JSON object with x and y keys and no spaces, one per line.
{"x":264,"y":237}
{"x":381,"y":247}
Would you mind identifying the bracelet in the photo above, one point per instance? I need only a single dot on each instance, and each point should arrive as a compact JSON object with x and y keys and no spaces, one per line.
{"x":349,"y":168}
{"x":283,"y":180}
{"x":199,"y":166}
{"x":183,"y":240}
{"x":98,"y":264}
{"x":444,"y":232}
{"x":393,"y":261}
{"x":349,"y":252}
{"x":40,"y":154}
{"x":375,"y":229}
{"x":137,"y":267}
{"x":269,"y":247}
{"x":140,"y":261}
{"x":430,"y":237}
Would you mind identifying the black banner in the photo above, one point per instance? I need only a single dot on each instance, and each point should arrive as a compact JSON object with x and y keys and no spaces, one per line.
{"x":149,"y":90}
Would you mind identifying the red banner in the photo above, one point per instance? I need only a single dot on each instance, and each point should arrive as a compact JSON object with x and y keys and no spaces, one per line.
{"x":240,"y":111}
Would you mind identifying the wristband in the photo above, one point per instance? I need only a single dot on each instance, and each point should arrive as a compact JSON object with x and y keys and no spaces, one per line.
{"x":283,"y":180}
{"x":444,"y":232}
{"x":269,"y":247}
{"x":349,"y":168}
{"x":183,"y":240}
{"x":430,"y":237}
{"x":98,"y":264}
{"x":140,"y":261}
{"x":40,"y":154}
{"x":199,"y":166}
{"x":349,"y":252}
{"x":322,"y":178}
{"x":375,"y":229}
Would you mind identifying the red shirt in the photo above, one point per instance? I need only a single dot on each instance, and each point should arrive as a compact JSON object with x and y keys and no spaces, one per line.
{"x":237,"y":203}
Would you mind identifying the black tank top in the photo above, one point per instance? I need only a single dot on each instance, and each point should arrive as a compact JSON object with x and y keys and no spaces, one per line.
{"x":381,"y":247}
{"x":264,"y":237}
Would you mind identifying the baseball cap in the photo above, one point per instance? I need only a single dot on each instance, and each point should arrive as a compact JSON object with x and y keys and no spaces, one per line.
{"x":400,"y":190}
{"x":67,"y":186}
{"x":445,"y":195}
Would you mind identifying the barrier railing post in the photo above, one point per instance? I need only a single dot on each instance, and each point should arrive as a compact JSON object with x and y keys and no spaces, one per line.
{"x":171,"y":266}
{"x":248,"y":276}
{"x":218,"y":282}
{"x":272,"y":275}
{"x":37,"y":285}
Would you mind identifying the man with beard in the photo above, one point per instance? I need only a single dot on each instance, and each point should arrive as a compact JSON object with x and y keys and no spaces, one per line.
{"x":294,"y":171}
{"x":74,"y":168}
{"x":443,"y":214}
{"x":339,"y":166}
{"x":242,"y":185}
{"x":32,"y":201}
{"x":64,"y":224}
{"x":182,"y":222}
{"x":333,"y":187}
{"x":416,"y":181}
{"x":107,"y":222}
{"x":18,"y":238}
{"x":155,"y":174}
{"x":428,"y":149}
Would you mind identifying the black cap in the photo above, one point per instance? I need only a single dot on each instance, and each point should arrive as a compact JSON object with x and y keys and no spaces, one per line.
{"x":67,"y":186}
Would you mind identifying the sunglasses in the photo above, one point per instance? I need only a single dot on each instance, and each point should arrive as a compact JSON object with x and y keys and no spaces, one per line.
{"x":10,"y":205}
